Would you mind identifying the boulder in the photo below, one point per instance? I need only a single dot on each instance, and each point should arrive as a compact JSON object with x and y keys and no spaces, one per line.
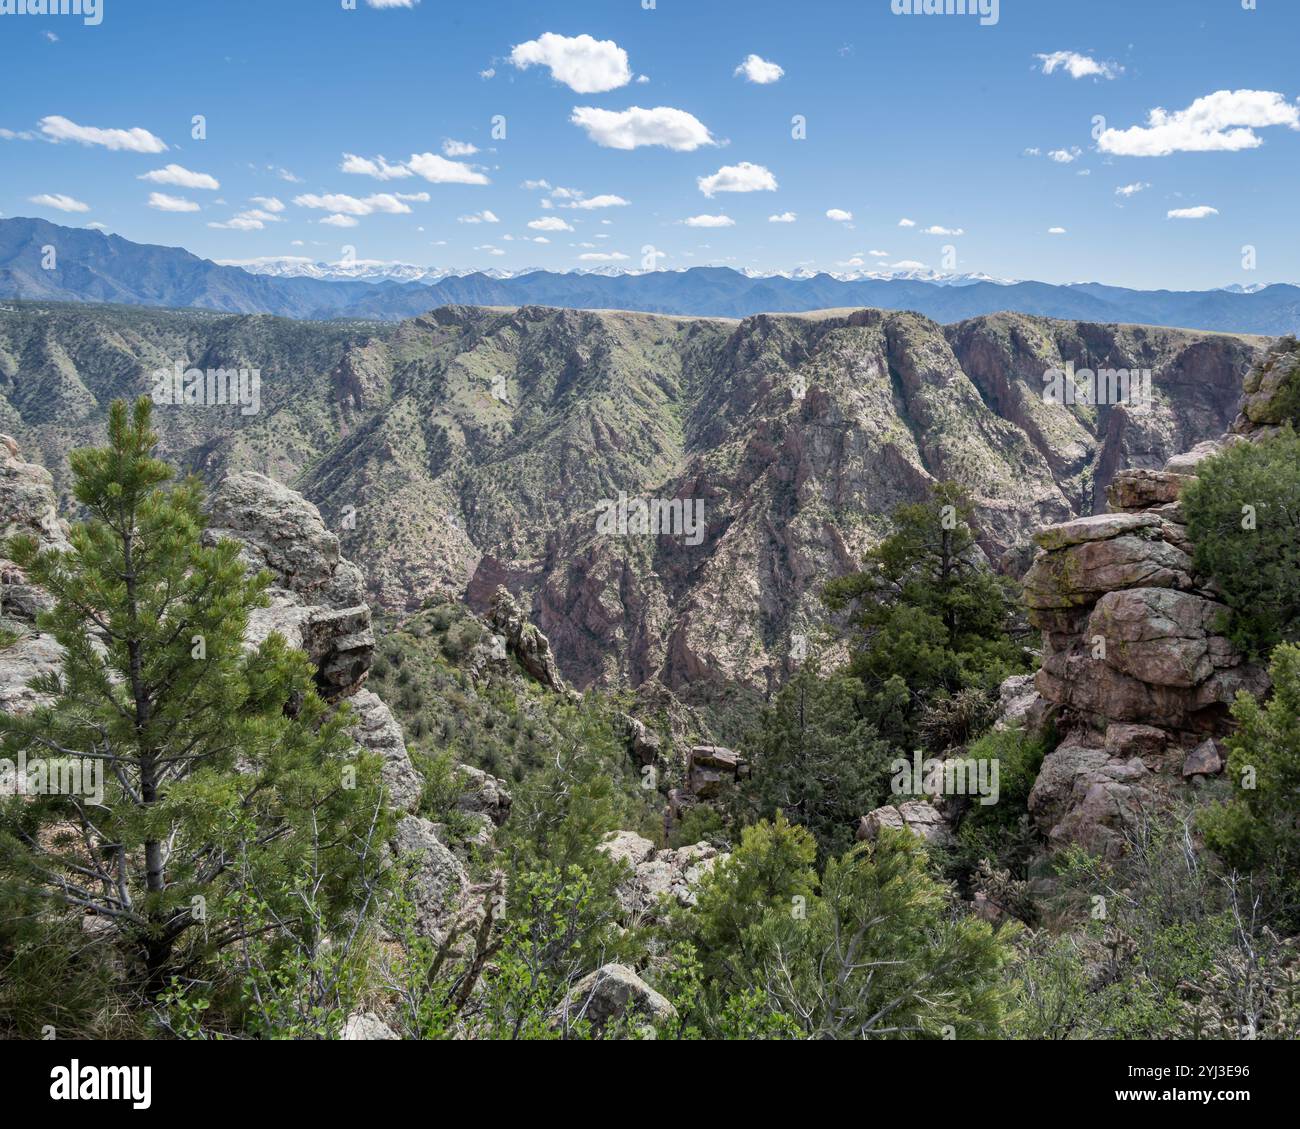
{"x":658,"y":877}
{"x":612,"y":994}
{"x":1133,"y":490}
{"x":1207,"y":759}
{"x":710,"y":768}
{"x":920,"y":818}
{"x":365,"y":1026}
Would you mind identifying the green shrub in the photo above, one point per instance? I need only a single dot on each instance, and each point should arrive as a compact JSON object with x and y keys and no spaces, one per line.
{"x":1243,"y":514}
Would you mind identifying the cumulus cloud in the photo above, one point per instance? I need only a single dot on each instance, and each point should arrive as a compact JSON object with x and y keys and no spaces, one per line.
{"x":439,"y":170}
{"x":1078,"y":66}
{"x":452,"y":148}
{"x":352,"y":205}
{"x":1224,"y":121}
{"x":636,"y":127}
{"x":134,"y":140}
{"x":709,"y":221}
{"x":180,"y":177}
{"x":759,"y":70}
{"x":270,"y":203}
{"x":1200,"y":212}
{"x":744,"y":177}
{"x":583,"y":64}
{"x":937,"y":230}
{"x":161,"y":202}
{"x":784,"y":217}
{"x":905,"y":222}
{"x":1133,"y":189}
{"x":606,"y":201}
{"x":432,"y":167}
{"x":839,"y":215}
{"x":1056,"y":231}
{"x":59,"y":202}
{"x":378,"y":167}
{"x":550,"y":223}
{"x":1066,"y":156}
{"x":484,"y":216}
{"x":339,"y":221}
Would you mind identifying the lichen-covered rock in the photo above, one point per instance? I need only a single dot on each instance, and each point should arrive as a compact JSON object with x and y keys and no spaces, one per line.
{"x":378,"y":730}
{"x":483,"y":794}
{"x":658,"y":876}
{"x":920,"y":818}
{"x":436,"y":877}
{"x":365,"y":1026}
{"x":613,"y":994}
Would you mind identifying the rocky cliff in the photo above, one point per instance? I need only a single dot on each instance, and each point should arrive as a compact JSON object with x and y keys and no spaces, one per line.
{"x":1134,"y":667}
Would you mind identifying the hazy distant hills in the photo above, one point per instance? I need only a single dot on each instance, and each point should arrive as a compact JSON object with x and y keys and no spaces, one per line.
{"x":90,"y":266}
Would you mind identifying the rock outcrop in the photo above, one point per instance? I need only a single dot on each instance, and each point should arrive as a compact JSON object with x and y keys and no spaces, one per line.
{"x":658,"y":877}
{"x":1135,"y":668}
{"x":922,"y":819}
{"x":27,"y":508}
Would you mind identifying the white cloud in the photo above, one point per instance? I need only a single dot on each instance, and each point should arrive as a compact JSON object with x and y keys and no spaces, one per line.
{"x":744,"y":177}
{"x":583,"y":64}
{"x":135,"y":140}
{"x":480,"y":217}
{"x":709,"y":221}
{"x":452,"y":148}
{"x":1066,"y":156}
{"x":907,"y":264}
{"x":603,"y":257}
{"x":392,"y":3}
{"x":490,"y":249}
{"x":759,"y":70}
{"x":353,"y":206}
{"x":378,"y":167}
{"x":550,"y":223}
{"x":270,"y":203}
{"x":1198,"y":213}
{"x":1132,"y":189}
{"x":1056,"y":231}
{"x":906,"y":222}
{"x":784,"y":217}
{"x":1078,"y":66}
{"x":439,"y":170}
{"x":161,"y":202}
{"x":635,"y":127}
{"x":182,"y":178}
{"x":59,"y":202}
{"x":606,"y":201}
{"x":490,"y":72}
{"x":878,"y":254}
{"x":339,"y":221}
{"x":239,"y":223}
{"x":839,"y":215}
{"x":937,"y":230}
{"x":1224,"y":121}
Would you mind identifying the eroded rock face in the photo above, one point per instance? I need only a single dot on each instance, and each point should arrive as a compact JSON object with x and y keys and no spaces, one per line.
{"x":27,"y":508}
{"x":436,"y":878}
{"x":525,"y":641}
{"x":316,"y":598}
{"x":1133,"y":659}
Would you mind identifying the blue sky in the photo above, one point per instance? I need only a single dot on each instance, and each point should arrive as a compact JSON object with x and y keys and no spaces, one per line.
{"x":934,"y":119}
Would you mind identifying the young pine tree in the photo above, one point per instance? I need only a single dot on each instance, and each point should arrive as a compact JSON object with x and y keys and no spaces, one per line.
{"x":227,"y":780}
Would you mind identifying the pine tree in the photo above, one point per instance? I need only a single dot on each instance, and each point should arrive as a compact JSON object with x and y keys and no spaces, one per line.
{"x":227,"y":781}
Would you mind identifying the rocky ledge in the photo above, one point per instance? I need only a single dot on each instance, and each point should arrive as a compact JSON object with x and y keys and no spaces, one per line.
{"x":1135,"y":672}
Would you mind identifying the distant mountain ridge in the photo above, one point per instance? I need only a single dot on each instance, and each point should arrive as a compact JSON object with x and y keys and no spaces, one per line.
{"x":90,"y":266}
